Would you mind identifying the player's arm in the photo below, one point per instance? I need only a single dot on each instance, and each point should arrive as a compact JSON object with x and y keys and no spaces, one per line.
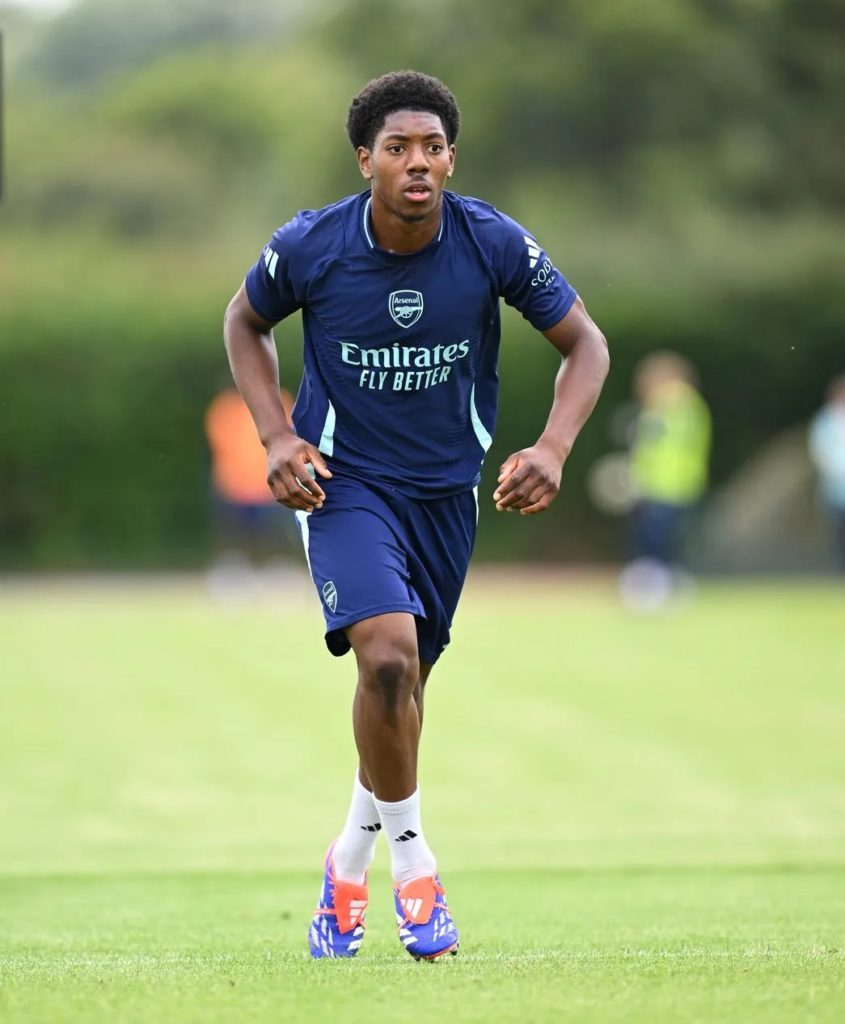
{"x":255,"y":367}
{"x":529,"y":480}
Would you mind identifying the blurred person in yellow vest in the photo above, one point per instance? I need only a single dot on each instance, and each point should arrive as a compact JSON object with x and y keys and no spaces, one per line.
{"x":669,"y":467}
{"x":252,"y":526}
{"x":827,"y":450}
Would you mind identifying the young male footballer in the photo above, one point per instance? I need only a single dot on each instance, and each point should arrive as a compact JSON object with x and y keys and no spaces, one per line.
{"x":399,"y":289}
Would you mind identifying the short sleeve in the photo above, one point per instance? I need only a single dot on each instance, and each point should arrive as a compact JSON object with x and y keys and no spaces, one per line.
{"x":529,"y":281}
{"x":275,"y":283}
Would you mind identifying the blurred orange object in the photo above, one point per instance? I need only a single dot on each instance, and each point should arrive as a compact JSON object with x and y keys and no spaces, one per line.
{"x":239,"y":462}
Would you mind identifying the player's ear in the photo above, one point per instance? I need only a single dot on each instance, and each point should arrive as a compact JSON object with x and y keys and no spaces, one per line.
{"x":365,"y":162}
{"x":451,"y":170}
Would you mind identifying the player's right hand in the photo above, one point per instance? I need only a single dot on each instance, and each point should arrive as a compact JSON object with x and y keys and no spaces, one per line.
{"x":288,"y":476}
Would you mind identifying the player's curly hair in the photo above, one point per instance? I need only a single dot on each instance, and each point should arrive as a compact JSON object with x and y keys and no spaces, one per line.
{"x":400,"y":90}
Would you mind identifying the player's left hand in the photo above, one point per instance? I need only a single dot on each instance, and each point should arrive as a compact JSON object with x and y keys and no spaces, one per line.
{"x":528,"y":481}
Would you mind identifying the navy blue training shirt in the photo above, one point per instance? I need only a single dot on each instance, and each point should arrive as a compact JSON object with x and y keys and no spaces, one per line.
{"x":400,"y":384}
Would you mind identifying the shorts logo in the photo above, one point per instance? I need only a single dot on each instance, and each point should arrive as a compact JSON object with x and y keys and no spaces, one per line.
{"x":330,"y":595}
{"x":405,"y":307}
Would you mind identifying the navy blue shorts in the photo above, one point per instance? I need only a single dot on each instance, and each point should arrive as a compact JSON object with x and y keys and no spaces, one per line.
{"x":372,"y":550}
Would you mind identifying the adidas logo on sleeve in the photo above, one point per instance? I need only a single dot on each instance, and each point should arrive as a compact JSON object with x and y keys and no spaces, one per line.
{"x":533,"y":251}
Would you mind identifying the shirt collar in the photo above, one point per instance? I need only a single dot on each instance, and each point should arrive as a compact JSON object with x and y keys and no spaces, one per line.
{"x":369,"y":235}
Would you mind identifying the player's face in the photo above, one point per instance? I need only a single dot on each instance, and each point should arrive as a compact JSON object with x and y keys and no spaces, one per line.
{"x":409,"y":164}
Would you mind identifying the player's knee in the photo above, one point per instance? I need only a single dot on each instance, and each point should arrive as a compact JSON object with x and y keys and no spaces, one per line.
{"x":392,"y":674}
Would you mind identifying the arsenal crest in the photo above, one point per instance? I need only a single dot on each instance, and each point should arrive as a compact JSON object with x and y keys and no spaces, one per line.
{"x":405,"y":307}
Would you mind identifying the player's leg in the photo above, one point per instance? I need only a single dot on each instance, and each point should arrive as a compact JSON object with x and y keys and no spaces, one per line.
{"x":419,"y":689}
{"x":440,"y":534}
{"x":387,"y":730}
{"x":385,"y":717}
{"x":355,"y":846}
{"x":418,"y":694}
{"x":386,"y":723}
{"x":356,"y":562}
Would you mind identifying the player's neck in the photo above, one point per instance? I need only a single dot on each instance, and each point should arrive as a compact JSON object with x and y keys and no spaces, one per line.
{"x":394,"y":234}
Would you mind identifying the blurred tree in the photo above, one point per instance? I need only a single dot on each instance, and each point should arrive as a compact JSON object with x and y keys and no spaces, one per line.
{"x":94,"y":40}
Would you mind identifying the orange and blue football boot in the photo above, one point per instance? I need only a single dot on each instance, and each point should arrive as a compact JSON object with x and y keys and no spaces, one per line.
{"x":337,"y":927}
{"x":426,"y":928}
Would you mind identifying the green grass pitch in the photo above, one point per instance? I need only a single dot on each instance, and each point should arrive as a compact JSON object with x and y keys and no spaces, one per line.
{"x":638,"y":818}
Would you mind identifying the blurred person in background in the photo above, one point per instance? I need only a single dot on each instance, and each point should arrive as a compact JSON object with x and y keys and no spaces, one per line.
{"x":670,"y":453}
{"x":399,"y":288}
{"x":827,"y":450}
{"x":252,"y":530}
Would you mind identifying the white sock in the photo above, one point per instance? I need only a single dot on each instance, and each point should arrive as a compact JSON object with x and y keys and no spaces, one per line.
{"x":355,"y":847}
{"x":410,"y":854}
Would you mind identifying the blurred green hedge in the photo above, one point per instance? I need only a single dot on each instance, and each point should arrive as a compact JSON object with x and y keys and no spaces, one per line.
{"x":103,"y":458}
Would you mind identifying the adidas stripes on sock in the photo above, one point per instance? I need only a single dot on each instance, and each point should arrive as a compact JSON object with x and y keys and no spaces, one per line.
{"x":355,"y":847}
{"x":410,"y":854}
